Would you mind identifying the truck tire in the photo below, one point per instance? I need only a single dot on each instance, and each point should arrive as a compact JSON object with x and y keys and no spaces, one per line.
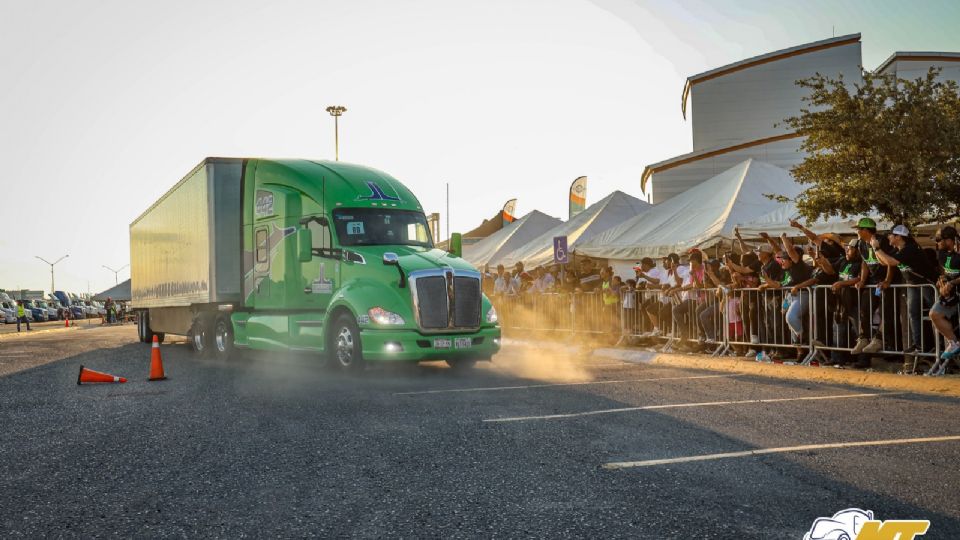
{"x":343,"y":346}
{"x":143,"y":327}
{"x":222,"y":338}
{"x":462,"y":364}
{"x":200,"y":337}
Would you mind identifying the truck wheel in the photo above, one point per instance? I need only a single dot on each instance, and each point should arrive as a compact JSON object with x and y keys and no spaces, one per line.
{"x":344,"y":350}
{"x":223,"y":338}
{"x":143,"y":327}
{"x":462,"y":364}
{"x":199,"y":337}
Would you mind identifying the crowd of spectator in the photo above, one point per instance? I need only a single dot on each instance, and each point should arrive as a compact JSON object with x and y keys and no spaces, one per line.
{"x":758,"y":297}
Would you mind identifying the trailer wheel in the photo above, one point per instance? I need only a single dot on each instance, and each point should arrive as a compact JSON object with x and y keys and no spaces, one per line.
{"x":223,"y":338}
{"x":343,"y":347}
{"x":199,"y":337}
{"x":143,"y":328}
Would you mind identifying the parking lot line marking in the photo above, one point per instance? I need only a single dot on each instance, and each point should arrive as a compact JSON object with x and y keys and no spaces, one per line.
{"x":780,"y":450}
{"x":499,"y":388}
{"x":686,"y":405}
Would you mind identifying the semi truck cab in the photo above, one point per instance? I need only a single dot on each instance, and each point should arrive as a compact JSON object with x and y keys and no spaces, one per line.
{"x":337,"y":259}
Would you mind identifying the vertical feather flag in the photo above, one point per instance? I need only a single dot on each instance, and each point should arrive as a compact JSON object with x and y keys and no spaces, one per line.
{"x":578,"y":196}
{"x":508,"y":211}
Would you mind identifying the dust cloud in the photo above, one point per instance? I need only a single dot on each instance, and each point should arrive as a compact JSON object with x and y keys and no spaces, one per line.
{"x":542,"y":364}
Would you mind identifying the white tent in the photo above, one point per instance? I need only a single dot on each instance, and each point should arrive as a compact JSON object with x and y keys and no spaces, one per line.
{"x":492,"y":248}
{"x":777,"y":222}
{"x":612,"y":210}
{"x":698,"y":217}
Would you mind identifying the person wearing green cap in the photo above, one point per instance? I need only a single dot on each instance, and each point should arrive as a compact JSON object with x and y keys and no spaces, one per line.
{"x":873,"y":272}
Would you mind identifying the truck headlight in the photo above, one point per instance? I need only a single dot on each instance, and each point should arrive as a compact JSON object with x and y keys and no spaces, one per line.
{"x":492,"y":315}
{"x":382,"y":316}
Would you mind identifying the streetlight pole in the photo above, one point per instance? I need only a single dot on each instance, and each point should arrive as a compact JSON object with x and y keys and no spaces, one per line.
{"x":336,"y":111}
{"x":116,"y":280}
{"x":53,"y":286}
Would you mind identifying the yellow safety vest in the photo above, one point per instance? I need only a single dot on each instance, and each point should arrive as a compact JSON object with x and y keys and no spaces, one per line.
{"x":608,"y":300}
{"x":20,"y":312}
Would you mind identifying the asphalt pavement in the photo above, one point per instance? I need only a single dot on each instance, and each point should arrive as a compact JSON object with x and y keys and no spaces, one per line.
{"x":532,"y":445}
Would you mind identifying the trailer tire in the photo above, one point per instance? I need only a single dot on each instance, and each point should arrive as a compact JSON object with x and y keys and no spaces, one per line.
{"x":200,"y":337}
{"x":222,"y":338}
{"x":344,"y":351}
{"x":143,"y":327}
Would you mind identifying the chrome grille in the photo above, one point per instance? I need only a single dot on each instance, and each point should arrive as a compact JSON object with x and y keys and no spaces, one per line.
{"x":446,"y":300}
{"x":466,"y":307}
{"x":432,"y":302}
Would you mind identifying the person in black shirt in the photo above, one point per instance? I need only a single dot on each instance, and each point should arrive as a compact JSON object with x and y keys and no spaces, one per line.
{"x":796,"y":272}
{"x":916,"y":269}
{"x":872,"y":272}
{"x":944,"y":312}
{"x":775,"y":303}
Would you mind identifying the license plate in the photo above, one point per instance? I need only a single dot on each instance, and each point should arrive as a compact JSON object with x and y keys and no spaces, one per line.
{"x":441,"y":343}
{"x":463,"y":343}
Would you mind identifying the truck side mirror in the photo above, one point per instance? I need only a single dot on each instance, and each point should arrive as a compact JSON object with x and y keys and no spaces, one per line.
{"x":456,"y":245}
{"x":390,"y":259}
{"x":305,"y":245}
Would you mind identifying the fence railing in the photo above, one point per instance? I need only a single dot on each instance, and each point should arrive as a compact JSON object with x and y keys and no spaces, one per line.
{"x":818,"y":321}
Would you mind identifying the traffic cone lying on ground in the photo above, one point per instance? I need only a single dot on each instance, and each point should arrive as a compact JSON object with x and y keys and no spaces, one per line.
{"x":91,"y":376}
{"x":156,"y":362}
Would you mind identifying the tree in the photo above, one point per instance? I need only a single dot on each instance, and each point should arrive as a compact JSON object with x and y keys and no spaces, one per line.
{"x":888,"y":146}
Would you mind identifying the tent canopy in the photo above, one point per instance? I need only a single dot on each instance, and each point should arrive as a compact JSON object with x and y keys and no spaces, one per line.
{"x":612,"y":210}
{"x":120,"y":293}
{"x":492,"y":248}
{"x":698,"y":217}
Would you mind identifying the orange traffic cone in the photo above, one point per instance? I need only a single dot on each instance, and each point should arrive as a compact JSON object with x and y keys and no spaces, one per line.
{"x":91,"y":376}
{"x":156,"y":362}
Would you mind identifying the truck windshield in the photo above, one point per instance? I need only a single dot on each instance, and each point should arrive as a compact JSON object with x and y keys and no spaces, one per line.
{"x":381,"y":227}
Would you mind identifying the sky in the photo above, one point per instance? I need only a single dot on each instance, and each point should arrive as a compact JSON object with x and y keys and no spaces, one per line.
{"x":104,"y":105}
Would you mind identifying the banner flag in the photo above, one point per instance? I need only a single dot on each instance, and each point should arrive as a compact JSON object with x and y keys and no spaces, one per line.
{"x":508,"y":212}
{"x":578,"y":196}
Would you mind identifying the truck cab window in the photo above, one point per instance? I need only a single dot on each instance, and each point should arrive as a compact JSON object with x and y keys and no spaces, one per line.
{"x":381,"y":227}
{"x":320,"y":235}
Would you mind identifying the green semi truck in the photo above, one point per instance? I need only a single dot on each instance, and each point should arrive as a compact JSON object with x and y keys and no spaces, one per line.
{"x":319,"y":257}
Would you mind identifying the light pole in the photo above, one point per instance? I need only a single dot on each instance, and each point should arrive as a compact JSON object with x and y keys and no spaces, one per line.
{"x":336,"y":111}
{"x":53,"y":287}
{"x":116,"y":280}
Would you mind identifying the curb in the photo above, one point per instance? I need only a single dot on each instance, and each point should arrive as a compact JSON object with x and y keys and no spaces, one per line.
{"x":941,"y":386}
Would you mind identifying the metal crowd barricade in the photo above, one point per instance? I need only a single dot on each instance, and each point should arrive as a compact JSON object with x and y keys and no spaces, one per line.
{"x":763,"y":322}
{"x":739,"y":320}
{"x":835,"y":320}
{"x":578,"y":313}
{"x":694,"y":316}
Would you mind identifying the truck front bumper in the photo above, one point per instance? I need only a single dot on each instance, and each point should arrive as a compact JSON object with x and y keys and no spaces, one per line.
{"x":412,"y":346}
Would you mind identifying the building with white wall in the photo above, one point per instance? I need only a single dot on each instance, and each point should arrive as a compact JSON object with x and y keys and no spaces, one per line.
{"x":737,"y":111}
